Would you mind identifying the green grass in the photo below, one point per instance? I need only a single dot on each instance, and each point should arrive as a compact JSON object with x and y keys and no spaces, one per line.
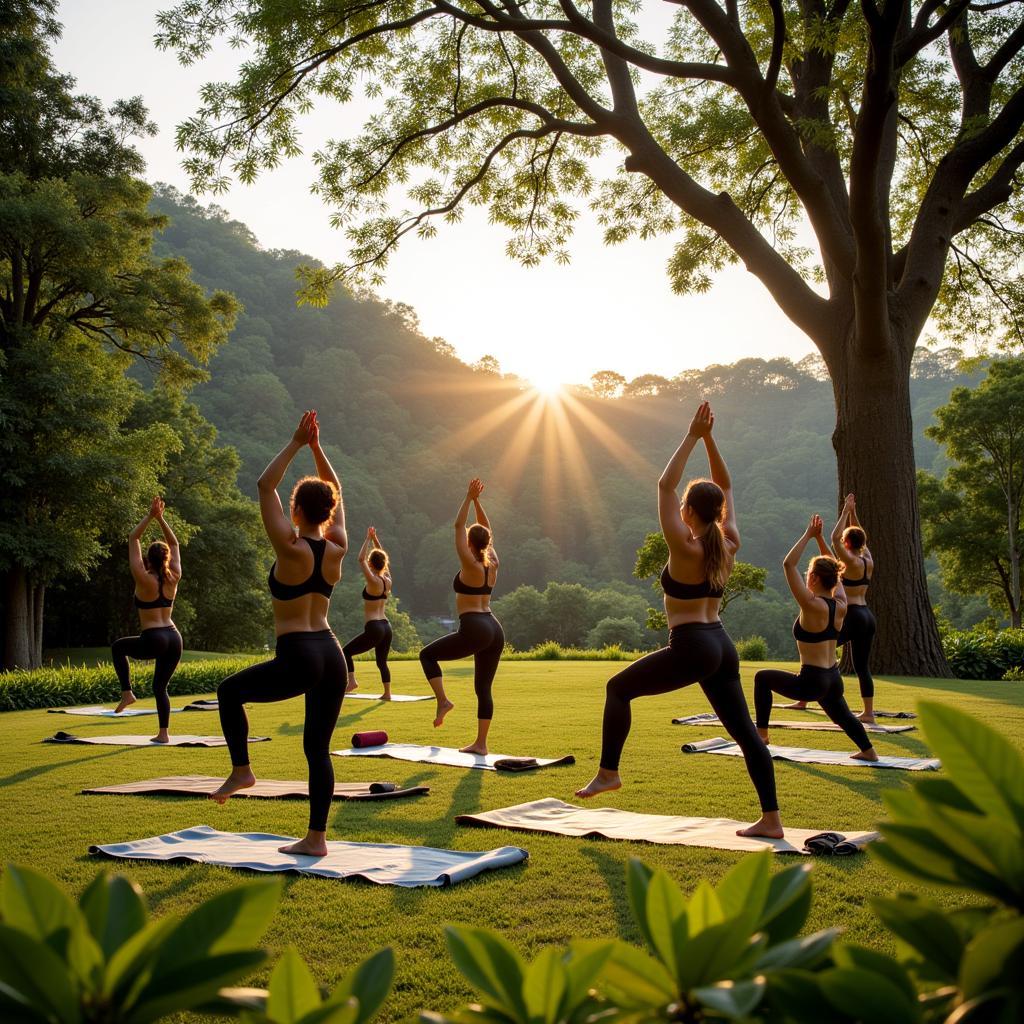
{"x":89,"y":656}
{"x":569,"y":888}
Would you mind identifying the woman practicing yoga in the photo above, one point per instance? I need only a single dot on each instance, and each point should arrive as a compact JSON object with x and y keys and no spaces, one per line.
{"x":310,"y":547}
{"x":479,"y":631}
{"x":156,"y":574}
{"x":376,"y":634}
{"x":702,"y":539}
{"x":822,"y":603}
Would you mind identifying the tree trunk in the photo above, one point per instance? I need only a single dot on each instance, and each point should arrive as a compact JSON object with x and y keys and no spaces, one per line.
{"x":874,"y":444}
{"x":23,"y":611}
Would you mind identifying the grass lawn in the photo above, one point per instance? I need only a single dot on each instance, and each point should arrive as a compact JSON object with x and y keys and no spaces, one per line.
{"x":89,"y":656}
{"x":569,"y":887}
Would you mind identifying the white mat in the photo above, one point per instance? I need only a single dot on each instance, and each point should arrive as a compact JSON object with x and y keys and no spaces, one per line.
{"x":448,"y":756}
{"x":710,"y":718}
{"x":179,"y":740}
{"x":396,"y":698}
{"x":804,"y":755}
{"x":560,"y":818}
{"x":98,"y":711}
{"x":818,"y":711}
{"x":382,"y":863}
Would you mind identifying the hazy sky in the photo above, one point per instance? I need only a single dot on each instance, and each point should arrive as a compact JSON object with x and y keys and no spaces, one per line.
{"x":611,"y":308}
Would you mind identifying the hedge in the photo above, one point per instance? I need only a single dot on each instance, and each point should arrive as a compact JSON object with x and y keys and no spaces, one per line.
{"x":985,"y":653}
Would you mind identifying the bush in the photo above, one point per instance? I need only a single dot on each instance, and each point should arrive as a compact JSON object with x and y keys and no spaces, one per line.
{"x":1014,"y":675}
{"x":612,"y":632}
{"x":752,"y":648}
{"x":984,"y":653}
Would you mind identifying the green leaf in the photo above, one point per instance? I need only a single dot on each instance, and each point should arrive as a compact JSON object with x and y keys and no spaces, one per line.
{"x":369,"y":984}
{"x":130,"y":968}
{"x":744,"y":889}
{"x":805,"y":952}
{"x":31,"y":903}
{"x":873,"y":997}
{"x":293,"y":990}
{"x":636,"y":979}
{"x":994,"y":847}
{"x":31,"y":970}
{"x":490,"y":964}
{"x":703,"y":909}
{"x":946,"y":792}
{"x":587,"y":958}
{"x":854,"y":956}
{"x":712,"y":955}
{"x":796,"y":996}
{"x":333,"y":1013}
{"x":925,"y":928}
{"x":638,"y":878}
{"x":993,"y":958}
{"x":732,"y":999}
{"x":666,"y":920}
{"x":788,"y":903}
{"x":114,"y":910}
{"x":545,"y":985}
{"x":979,"y":760}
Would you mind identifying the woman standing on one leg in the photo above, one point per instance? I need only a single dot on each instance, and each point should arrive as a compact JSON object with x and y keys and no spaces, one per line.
{"x":310,"y":546}
{"x":376,"y":634}
{"x":702,"y":538}
{"x":823,"y":605}
{"x":479,"y":632}
{"x":156,"y":574}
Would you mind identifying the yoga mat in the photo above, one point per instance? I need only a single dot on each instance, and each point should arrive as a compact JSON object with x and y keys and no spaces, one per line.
{"x":396,"y":698}
{"x":560,"y":818}
{"x":804,"y":755}
{"x":877,"y":714}
{"x":145,"y":741}
{"x":269,"y":789}
{"x":98,"y":711}
{"x":455,"y":758}
{"x":382,"y":863}
{"x":709,"y":718}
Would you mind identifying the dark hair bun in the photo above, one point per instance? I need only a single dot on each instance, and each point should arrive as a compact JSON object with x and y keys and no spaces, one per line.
{"x":315,"y":498}
{"x":378,"y":560}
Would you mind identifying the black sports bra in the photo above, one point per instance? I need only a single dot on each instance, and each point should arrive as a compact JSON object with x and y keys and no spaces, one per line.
{"x":460,"y":586}
{"x":687,"y":591}
{"x":158,"y":602}
{"x":313,"y":584}
{"x":805,"y":636}
{"x":863,"y":581}
{"x":379,"y":597}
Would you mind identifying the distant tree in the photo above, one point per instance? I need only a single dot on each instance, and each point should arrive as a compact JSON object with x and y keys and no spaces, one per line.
{"x":607,"y":384}
{"x":624,"y":633}
{"x":568,"y":611}
{"x":972,"y":516}
{"x":646,"y":386}
{"x":488,"y":364}
{"x":523,"y":614}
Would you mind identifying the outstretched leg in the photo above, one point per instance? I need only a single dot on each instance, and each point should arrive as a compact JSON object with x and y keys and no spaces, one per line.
{"x":834,"y":705}
{"x":120,"y":651}
{"x":767,"y":683}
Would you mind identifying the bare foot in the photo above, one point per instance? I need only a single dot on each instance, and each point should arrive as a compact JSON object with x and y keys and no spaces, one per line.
{"x":127,"y":700}
{"x":474,"y":748}
{"x":865,"y":755}
{"x":868,"y":717}
{"x":308,"y":847}
{"x":161,"y":737}
{"x":768,"y":826}
{"x":797,"y":705}
{"x":352,"y":686}
{"x":443,"y":707}
{"x":386,"y":695}
{"x":602,"y":782}
{"x":240,"y":778}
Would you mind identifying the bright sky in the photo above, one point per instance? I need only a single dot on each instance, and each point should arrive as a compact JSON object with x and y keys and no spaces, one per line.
{"x":611,"y":308}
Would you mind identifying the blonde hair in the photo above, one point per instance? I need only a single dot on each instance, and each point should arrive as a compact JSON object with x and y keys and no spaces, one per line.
{"x":479,"y":538}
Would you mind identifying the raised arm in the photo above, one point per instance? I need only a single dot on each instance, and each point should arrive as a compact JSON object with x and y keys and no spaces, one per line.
{"x":844,"y":520}
{"x":672,"y":526}
{"x":791,"y":563}
{"x":720,"y":475}
{"x":174,"y":562}
{"x":462,"y":547}
{"x":335,"y":531}
{"x":277,"y":524}
{"x":481,"y":515}
{"x":135,"y":562}
{"x":364,"y":554}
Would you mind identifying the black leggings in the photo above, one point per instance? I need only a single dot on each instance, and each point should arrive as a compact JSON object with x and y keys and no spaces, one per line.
{"x":161,"y":644}
{"x":376,"y":634}
{"x":825,"y":685}
{"x":309,"y":663}
{"x":859,"y":634}
{"x":697,"y":652}
{"x":481,"y":635}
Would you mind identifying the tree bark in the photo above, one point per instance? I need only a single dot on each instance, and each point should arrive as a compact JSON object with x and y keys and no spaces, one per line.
{"x":874,"y":445}
{"x":22,"y":642}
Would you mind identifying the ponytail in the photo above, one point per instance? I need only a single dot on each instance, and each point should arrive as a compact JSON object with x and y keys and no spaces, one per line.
{"x":716,"y":556}
{"x":479,"y":538}
{"x":157,"y":556}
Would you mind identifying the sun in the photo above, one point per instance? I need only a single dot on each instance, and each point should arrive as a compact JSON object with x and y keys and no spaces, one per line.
{"x":546,"y":385}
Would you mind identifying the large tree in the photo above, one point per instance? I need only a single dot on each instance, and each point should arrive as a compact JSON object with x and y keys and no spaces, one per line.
{"x":890,"y":128}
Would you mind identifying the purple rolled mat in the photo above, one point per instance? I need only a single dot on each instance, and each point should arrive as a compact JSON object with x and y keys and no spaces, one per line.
{"x":369,"y":739}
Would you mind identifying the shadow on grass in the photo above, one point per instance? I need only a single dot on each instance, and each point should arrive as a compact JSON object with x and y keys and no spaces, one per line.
{"x":614,"y":874}
{"x":41,"y":769}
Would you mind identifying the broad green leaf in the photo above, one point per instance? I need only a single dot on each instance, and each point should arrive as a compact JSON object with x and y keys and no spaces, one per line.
{"x":544,"y":985}
{"x":114,"y":910}
{"x":703,"y":909}
{"x":871,"y":997}
{"x":370,"y":982}
{"x":902,"y":863}
{"x":666,"y":920}
{"x":712,"y":955}
{"x":29,"y":967}
{"x":293,"y":990}
{"x":636,"y":979}
{"x":744,"y":889}
{"x":333,"y":1013}
{"x":979,"y":760}
{"x":130,"y":968}
{"x":732,"y":999}
{"x":870,"y":960}
{"x":490,"y":964}
{"x":230,"y":1002}
{"x":33,"y":904}
{"x":945,"y":792}
{"x":925,"y":928}
{"x":803,"y":952}
{"x":994,"y":958}
{"x":993,"y":846}
{"x":638,"y":878}
{"x":797,"y":997}
{"x":788,"y":903}
{"x":586,"y":960}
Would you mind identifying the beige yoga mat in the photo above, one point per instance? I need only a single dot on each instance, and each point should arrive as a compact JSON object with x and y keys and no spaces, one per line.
{"x":818,"y":711}
{"x":709,"y":718}
{"x":560,"y":818}
{"x":98,"y":711}
{"x":381,"y":863}
{"x":180,"y":740}
{"x":396,"y":698}
{"x":269,"y":789}
{"x":804,"y":755}
{"x":455,"y":758}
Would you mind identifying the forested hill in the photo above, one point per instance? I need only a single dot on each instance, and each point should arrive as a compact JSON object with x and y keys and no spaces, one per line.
{"x":570,"y":485}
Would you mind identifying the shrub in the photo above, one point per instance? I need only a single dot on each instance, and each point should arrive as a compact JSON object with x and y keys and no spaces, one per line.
{"x":611,"y":632}
{"x":983,"y":653}
{"x":752,"y":648}
{"x":1014,"y":675}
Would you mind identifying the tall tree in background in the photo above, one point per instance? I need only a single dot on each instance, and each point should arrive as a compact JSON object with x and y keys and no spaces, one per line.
{"x":892,"y":128}
{"x":973,"y":514}
{"x":80,"y":300}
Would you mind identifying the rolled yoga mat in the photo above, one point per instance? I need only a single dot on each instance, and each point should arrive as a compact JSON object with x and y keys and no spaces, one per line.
{"x":146,"y":741}
{"x":455,"y":758}
{"x":818,"y":711}
{"x":803,"y":755}
{"x":369,"y":739}
{"x":559,"y":818}
{"x":709,"y":718}
{"x":268,"y":789}
{"x":381,"y":863}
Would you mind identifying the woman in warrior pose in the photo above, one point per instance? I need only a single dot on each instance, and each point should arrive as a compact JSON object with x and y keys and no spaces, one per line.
{"x":376,"y":634}
{"x":823,"y":606}
{"x":702,"y":538}
{"x":310,"y":546}
{"x":479,"y":632}
{"x":156,"y":574}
